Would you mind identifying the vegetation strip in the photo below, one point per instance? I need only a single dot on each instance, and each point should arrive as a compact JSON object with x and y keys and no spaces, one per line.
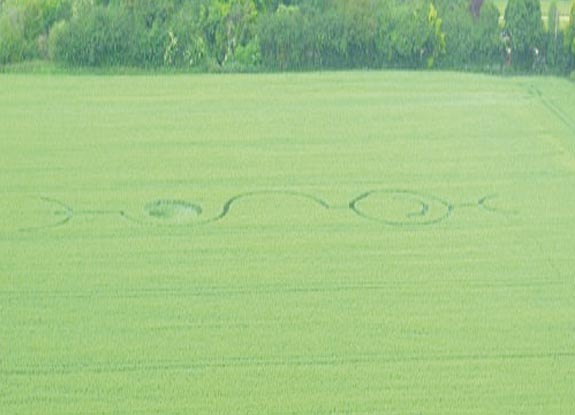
{"x":278,"y":35}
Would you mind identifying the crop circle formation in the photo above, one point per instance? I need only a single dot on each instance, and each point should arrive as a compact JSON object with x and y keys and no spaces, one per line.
{"x":391,"y":207}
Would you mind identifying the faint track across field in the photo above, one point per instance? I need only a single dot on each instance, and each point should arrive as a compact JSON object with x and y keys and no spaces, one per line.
{"x":259,"y":289}
{"x":267,"y":362}
{"x":552,"y":107}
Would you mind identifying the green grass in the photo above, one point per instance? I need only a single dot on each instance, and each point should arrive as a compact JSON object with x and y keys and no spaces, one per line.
{"x":118,"y":298}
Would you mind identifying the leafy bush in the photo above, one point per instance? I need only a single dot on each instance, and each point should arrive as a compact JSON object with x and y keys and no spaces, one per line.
{"x":24,"y":27}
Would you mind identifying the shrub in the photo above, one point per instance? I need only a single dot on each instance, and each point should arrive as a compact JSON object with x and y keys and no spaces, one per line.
{"x":24,"y":27}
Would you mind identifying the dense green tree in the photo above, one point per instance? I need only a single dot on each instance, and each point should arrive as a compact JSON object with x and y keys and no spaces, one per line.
{"x":417,"y":39}
{"x":354,"y":25}
{"x":554,"y":53}
{"x":570,"y":39}
{"x":525,"y":29}
{"x":552,"y":28}
{"x":281,"y":38}
{"x":488,"y":34}
{"x":102,"y":36}
{"x":471,"y":41}
{"x":347,"y":34}
{"x":12,"y":41}
{"x":210,"y":32}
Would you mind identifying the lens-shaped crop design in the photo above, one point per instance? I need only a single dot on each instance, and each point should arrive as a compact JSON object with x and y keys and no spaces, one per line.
{"x":401,"y":207}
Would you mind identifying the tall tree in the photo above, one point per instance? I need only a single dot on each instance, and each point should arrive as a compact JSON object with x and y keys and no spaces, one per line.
{"x":525,"y":28}
{"x":570,"y":38}
{"x":554,"y":47}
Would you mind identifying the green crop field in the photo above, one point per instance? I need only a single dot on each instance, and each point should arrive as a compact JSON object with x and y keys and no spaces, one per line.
{"x":328,"y":243}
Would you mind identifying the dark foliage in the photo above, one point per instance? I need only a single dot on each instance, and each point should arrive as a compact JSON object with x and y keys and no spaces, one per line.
{"x":231,"y":35}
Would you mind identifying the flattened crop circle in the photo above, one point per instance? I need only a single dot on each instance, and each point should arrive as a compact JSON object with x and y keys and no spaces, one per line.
{"x":173,"y":211}
{"x":401,"y":207}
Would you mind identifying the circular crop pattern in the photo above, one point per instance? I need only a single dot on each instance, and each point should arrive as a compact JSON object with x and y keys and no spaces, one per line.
{"x":173,"y":211}
{"x":401,"y":207}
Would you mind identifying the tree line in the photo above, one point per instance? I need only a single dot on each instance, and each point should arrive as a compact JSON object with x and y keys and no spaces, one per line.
{"x":271,"y":35}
